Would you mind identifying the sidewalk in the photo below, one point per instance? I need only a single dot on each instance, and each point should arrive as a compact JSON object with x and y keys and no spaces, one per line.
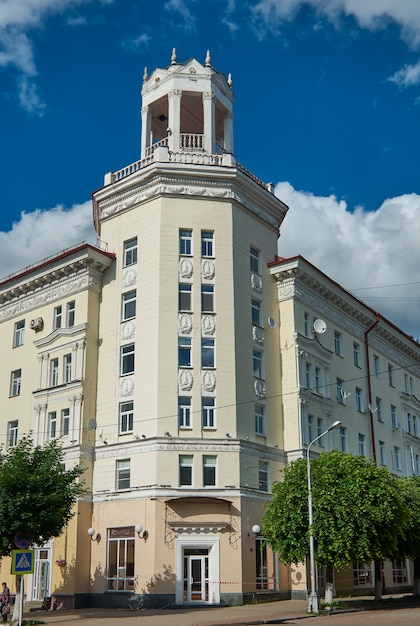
{"x":403,"y":610}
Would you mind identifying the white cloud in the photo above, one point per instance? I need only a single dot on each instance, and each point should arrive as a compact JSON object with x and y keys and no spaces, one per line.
{"x":40,"y":234}
{"x":407,"y":76}
{"x":181,"y":8}
{"x":363,"y":251}
{"x":373,"y":15}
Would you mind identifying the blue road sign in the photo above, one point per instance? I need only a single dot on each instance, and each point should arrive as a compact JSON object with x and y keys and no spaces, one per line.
{"x":23,"y":561}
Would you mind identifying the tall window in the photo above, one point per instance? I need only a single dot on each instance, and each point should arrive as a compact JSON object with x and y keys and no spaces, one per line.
{"x":376,"y":366}
{"x":379,"y":413}
{"x":356,"y":354}
{"x":256,"y":312}
{"x":54,"y":372}
{"x":57,"y":317}
{"x":391,"y":380}
{"x":127,"y":359}
{"x":397,"y":463}
{"x":254,"y":260}
{"x":359,"y":400}
{"x":408,"y":385}
{"x":126,"y":417}
{"x":338,"y":343}
{"x":318,"y":380}
{"x":306,"y":324}
{"x":343,"y":439}
{"x":399,"y":571}
{"x":394,"y":423}
{"x":184,"y":412}
{"x":12,"y":433}
{"x":70,"y":313}
{"x":128,"y":309}
{"x":65,"y":423}
{"x":209,"y":412}
{"x":207,"y":243}
{"x":207,"y":298}
{"x":19,"y":334}
{"x":308,"y":375}
{"x":341,"y":394}
{"x":382,"y":453}
{"x":184,"y":297}
{"x":361,"y":440}
{"x":120,"y":573}
{"x":362,"y":574}
{"x":263,"y":564}
{"x":310,"y":422}
{"x":319,"y":429}
{"x":207,"y":352}
{"x":185,"y":470}
{"x":260,"y":419}
{"x":209,"y":470}
{"x":184,"y":351}
{"x":67,"y":368}
{"x":130,"y":252}
{"x":185,"y":242}
{"x":52,"y":425}
{"x":263,"y":475}
{"x":257,"y":363}
{"x":123,"y":474}
{"x":15,"y":382}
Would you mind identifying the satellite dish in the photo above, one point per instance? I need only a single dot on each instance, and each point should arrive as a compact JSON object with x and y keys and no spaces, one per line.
{"x":92,"y":424}
{"x":271,"y":322}
{"x":319,"y":326}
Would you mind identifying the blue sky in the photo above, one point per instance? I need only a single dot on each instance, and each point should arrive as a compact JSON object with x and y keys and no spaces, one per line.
{"x":327,"y":107}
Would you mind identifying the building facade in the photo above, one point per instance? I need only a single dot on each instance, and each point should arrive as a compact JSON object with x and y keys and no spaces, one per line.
{"x":187,"y":366}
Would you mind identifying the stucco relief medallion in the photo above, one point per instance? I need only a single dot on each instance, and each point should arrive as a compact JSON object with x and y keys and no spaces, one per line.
{"x":127,"y":386}
{"x":185,"y":268}
{"x":185,"y":323}
{"x":259,"y":387}
{"x":207,"y":269}
{"x":256,"y":282}
{"x":129,"y":277}
{"x":128,"y":330}
{"x":208,"y":380}
{"x":258,"y":335}
{"x":208,"y":324}
{"x":185,"y":380}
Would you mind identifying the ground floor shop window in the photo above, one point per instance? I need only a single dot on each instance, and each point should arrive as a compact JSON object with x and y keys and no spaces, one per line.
{"x":120,"y":571}
{"x":399,"y":572}
{"x":362,"y":574}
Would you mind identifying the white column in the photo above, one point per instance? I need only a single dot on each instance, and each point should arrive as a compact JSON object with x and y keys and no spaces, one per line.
{"x":209,"y":111}
{"x":73,"y":360}
{"x":42,"y":429}
{"x":228,"y":130}
{"x":174,"y":119}
{"x":80,"y":358}
{"x":40,"y":360}
{"x":146,"y":121}
{"x":77,"y":414}
{"x":45,"y":364}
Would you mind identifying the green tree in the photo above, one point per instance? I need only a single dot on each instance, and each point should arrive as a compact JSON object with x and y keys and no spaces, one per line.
{"x":409,"y":545}
{"x":37,"y":493}
{"x":359,"y":511}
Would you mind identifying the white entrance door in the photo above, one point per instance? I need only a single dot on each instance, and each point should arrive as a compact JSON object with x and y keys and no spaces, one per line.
{"x":41,"y":579}
{"x":196,"y":575}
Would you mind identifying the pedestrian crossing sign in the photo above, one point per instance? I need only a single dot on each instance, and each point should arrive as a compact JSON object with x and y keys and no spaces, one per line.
{"x":22,"y":562}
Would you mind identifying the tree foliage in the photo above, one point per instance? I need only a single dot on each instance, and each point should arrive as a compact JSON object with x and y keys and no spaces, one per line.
{"x":409,"y":545}
{"x":359,"y":512}
{"x":37,"y":493}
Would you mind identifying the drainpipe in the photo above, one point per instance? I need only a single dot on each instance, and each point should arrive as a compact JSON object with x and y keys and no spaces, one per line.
{"x":369,"y":385}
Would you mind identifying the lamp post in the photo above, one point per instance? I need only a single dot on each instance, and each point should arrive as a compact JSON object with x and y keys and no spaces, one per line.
{"x":313,"y":600}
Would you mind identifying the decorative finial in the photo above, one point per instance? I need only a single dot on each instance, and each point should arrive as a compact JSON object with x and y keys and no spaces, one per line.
{"x":229,"y":80}
{"x":173,"y":57}
{"x":145,"y":75}
{"x":208,"y":60}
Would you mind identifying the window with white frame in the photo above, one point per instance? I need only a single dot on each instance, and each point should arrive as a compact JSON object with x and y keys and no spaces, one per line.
{"x":415,"y":425}
{"x":307,"y":330}
{"x":126,"y":417}
{"x":130,"y":252}
{"x":70,"y":313}
{"x":362,"y":446}
{"x":379,"y":412}
{"x":207,"y":352}
{"x":15,"y":383}
{"x":209,"y":470}
{"x":417,"y":464}
{"x":308,"y":375}
{"x":338,"y":343}
{"x":19,"y":333}
{"x":399,"y":572}
{"x":408,"y":422}
{"x":208,"y":412}
{"x":263,"y":475}
{"x":128,"y":305}
{"x":376,"y":366}
{"x":65,"y":423}
{"x":258,"y":363}
{"x":341,"y":394}
{"x":256,"y":312}
{"x":394,"y":422}
{"x":343,"y":439}
{"x":185,"y":470}
{"x":123,"y":471}
{"x":382,"y":452}
{"x":319,"y":430}
{"x":318,"y":380}
{"x":185,"y":242}
{"x":207,"y":243}
{"x":207,"y":298}
{"x":67,"y":368}
{"x":185,"y":297}
{"x":120,"y":563}
{"x":359,"y":400}
{"x":356,"y":354}
{"x":254,"y":260}
{"x":408,"y":385}
{"x":52,"y":424}
{"x":127,"y":359}
{"x":54,"y":372}
{"x":260,"y":419}
{"x":391,"y":375}
{"x":184,"y":412}
{"x":362,"y":574}
{"x":184,"y":351}
{"x":396,"y":455}
{"x":12,"y":433}
{"x":310,"y":423}
{"x":57,"y":317}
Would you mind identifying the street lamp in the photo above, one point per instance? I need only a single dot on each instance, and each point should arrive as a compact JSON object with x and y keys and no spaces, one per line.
{"x":313,"y":600}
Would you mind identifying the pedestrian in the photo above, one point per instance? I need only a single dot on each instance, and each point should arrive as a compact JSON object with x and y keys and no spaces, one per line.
{"x":5,"y":599}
